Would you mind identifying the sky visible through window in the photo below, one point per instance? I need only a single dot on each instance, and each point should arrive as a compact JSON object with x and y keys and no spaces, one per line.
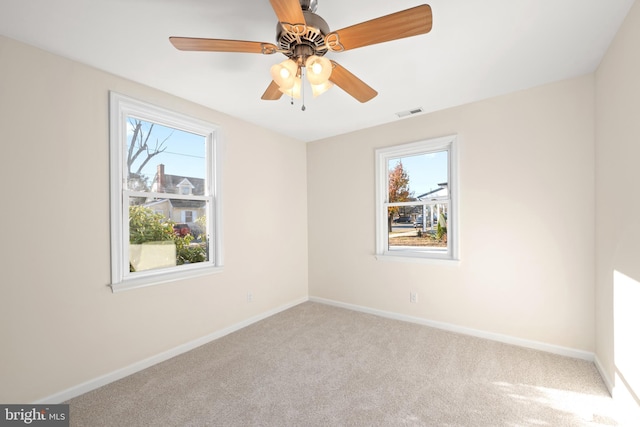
{"x":425,"y":171}
{"x":184,"y":154}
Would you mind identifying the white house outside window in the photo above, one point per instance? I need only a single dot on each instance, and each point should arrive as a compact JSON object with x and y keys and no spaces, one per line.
{"x":416,"y":200}
{"x":165,"y":195}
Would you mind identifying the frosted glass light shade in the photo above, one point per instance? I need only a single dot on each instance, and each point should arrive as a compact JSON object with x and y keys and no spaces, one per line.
{"x":284,"y":74}
{"x":321,"y":88}
{"x":295,"y":90}
{"x":318,"y":69}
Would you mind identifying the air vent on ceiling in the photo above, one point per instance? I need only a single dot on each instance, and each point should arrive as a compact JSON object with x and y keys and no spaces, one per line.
{"x":410,"y":112}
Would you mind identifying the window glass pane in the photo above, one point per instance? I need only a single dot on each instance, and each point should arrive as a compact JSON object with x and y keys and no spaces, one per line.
{"x":163,"y":159}
{"x":422,"y":176}
{"x":423,"y":226}
{"x":159,"y":239}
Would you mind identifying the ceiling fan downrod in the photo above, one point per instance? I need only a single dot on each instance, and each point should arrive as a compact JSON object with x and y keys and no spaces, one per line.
{"x":310,"y":5}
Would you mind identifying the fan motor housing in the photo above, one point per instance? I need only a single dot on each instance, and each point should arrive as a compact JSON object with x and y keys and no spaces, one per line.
{"x":289,"y":36}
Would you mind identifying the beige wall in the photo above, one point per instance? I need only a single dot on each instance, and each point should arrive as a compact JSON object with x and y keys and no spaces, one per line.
{"x":60,"y":325}
{"x":526,"y":219}
{"x":618,"y":209}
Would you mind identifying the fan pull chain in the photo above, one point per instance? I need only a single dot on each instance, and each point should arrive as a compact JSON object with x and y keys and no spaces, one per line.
{"x":302,"y":87}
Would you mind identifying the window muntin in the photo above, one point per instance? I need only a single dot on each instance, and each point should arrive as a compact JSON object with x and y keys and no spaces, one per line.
{"x":159,"y":231}
{"x":416,"y":189}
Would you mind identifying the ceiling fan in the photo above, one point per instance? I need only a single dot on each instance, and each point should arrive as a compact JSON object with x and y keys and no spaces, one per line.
{"x":305,"y":38}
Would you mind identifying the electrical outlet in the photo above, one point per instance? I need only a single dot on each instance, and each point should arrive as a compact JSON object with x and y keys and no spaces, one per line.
{"x":413,"y":297}
{"x":249,"y":296}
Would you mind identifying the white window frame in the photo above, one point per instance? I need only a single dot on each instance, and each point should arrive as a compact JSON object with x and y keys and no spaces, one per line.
{"x":383,"y":156}
{"x":120,"y":108}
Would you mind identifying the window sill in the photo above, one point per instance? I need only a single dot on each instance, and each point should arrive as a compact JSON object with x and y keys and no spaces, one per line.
{"x":158,"y":279}
{"x":417,"y":258}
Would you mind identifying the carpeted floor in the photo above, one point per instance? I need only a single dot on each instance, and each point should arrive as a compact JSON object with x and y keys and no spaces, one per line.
{"x":317,"y":365}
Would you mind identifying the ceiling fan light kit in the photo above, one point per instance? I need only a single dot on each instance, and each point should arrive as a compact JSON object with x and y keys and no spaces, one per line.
{"x":305,"y":38}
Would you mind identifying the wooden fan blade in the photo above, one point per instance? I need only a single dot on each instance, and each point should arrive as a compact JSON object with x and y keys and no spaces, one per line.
{"x":219,"y":45}
{"x":355,"y":87}
{"x":407,"y":23}
{"x":288,"y":11}
{"x":272,"y":93}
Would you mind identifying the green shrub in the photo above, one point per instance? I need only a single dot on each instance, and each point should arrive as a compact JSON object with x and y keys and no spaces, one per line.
{"x":147,"y":226}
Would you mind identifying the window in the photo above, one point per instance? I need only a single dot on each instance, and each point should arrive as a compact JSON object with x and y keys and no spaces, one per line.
{"x":165,"y":195}
{"x":188,"y":216}
{"x":416,"y":194}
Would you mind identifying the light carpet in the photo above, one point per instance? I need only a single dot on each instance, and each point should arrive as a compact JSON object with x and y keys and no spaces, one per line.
{"x":318,"y":365}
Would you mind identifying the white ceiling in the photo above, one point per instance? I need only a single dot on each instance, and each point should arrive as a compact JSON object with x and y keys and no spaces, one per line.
{"x":477,"y":49}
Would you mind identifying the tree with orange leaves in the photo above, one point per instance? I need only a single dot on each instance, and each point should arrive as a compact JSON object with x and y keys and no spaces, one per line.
{"x":398,"y":189}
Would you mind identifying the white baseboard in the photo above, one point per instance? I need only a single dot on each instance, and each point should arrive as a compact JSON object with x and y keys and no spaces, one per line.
{"x":153,"y":360}
{"x":549,"y":348}
{"x":603,"y":373}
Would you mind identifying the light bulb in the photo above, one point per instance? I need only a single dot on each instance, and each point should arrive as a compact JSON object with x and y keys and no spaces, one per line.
{"x":319,"y":69}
